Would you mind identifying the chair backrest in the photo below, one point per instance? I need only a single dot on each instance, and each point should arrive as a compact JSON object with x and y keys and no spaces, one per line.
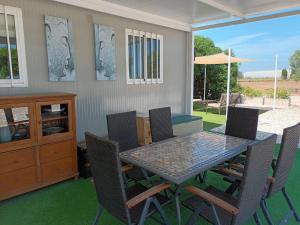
{"x":103,"y":155}
{"x":122,"y":128}
{"x":286,"y":158}
{"x":161,"y":124}
{"x":242,"y":122}
{"x":235,"y":98}
{"x":223,"y":99}
{"x":258,"y":163}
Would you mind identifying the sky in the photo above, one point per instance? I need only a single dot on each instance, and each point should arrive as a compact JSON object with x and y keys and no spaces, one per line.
{"x":260,"y":41}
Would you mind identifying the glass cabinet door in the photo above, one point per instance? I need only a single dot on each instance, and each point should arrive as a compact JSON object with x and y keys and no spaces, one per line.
{"x":15,"y":124}
{"x":55,"y":119}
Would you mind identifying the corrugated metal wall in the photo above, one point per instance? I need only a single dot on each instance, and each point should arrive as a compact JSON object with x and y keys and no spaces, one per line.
{"x":97,"y":98}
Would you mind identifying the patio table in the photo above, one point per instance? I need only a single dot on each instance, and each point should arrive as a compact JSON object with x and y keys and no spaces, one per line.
{"x":180,"y":158}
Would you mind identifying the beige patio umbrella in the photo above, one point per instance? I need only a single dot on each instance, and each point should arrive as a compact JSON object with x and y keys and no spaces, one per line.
{"x":220,"y":58}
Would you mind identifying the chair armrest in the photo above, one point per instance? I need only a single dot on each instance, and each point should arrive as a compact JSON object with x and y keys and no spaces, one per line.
{"x":237,"y":166}
{"x":147,"y":194}
{"x":126,"y":168}
{"x":213,"y":200}
{"x":271,"y":180}
{"x":231,"y":172}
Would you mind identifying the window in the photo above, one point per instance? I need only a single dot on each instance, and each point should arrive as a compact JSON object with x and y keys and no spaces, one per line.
{"x":144,"y":57}
{"x":13,"y":71}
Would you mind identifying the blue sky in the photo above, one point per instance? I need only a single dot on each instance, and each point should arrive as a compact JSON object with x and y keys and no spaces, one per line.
{"x":260,"y":41}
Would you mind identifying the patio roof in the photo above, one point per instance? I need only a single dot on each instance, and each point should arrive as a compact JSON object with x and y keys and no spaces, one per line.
{"x":181,"y":15}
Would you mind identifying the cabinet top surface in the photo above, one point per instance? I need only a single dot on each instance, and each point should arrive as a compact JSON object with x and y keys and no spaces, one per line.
{"x":37,"y":96}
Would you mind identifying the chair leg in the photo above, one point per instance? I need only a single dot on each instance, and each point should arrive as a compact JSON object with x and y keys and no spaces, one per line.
{"x":202,"y":177}
{"x":145,"y":211}
{"x":266,"y":212}
{"x":257,"y":219}
{"x":194,"y":216}
{"x":217,"y":220}
{"x":98,"y":215}
{"x":125,"y":180}
{"x":287,"y":198}
{"x":161,"y":212}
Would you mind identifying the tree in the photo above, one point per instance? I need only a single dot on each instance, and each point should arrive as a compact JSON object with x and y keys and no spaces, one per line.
{"x":284,"y":74}
{"x":295,"y":65}
{"x":216,"y":74}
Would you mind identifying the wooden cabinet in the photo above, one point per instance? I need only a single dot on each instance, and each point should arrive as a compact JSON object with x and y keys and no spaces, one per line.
{"x":144,"y":131}
{"x":37,"y":142}
{"x":182,"y":125}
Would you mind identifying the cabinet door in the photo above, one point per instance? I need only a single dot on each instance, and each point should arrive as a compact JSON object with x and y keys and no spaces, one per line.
{"x":17,"y":128}
{"x":55,"y":121}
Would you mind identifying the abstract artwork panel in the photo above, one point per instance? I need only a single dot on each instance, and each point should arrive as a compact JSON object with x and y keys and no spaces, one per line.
{"x":105,"y":52}
{"x":60,"y":49}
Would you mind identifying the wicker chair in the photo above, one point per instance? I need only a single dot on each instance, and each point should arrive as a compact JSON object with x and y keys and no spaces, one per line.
{"x":112,"y":196}
{"x":122,"y":128}
{"x":234,"y":99}
{"x":282,"y":167}
{"x":242,"y":122}
{"x":161,"y":124}
{"x":221,"y":208}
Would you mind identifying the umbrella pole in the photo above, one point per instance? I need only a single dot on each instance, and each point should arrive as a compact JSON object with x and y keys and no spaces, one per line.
{"x":204,"y":93}
{"x":275,"y":83}
{"x":228,"y":80}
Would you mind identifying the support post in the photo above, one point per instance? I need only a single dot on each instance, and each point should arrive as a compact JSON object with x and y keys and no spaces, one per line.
{"x":189,"y":74}
{"x":228,"y":81}
{"x":275,"y":82}
{"x":204,"y":94}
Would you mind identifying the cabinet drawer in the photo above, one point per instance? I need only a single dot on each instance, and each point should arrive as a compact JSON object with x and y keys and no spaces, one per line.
{"x":17,"y":181}
{"x":14,"y":160}
{"x":57,"y":170}
{"x":51,"y":152}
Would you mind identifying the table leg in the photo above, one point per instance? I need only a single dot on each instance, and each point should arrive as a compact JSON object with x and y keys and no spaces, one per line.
{"x":177,"y":201}
{"x":145,"y":173}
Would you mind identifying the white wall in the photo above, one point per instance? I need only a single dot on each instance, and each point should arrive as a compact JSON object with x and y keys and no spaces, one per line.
{"x":98,"y":98}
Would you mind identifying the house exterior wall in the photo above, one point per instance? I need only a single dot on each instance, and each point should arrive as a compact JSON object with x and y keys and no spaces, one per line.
{"x":95,"y":99}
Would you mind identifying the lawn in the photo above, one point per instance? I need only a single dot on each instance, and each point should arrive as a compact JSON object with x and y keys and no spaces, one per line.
{"x":210,"y":120}
{"x":74,"y":202}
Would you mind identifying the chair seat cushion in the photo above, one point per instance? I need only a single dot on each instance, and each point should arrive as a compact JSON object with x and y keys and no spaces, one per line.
{"x":194,"y":202}
{"x":136,"y":211}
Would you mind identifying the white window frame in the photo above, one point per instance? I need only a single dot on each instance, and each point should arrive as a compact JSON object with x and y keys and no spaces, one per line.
{"x":23,"y":81}
{"x":146,"y":35}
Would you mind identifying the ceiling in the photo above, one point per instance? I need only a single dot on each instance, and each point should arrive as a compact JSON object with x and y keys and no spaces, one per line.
{"x":195,"y":11}
{"x":181,"y":14}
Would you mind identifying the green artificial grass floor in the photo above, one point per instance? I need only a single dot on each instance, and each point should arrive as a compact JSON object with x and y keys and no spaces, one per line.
{"x":74,"y":202}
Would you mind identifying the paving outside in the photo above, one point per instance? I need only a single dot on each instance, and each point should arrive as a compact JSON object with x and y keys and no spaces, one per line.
{"x":274,"y":121}
{"x":267,"y":103}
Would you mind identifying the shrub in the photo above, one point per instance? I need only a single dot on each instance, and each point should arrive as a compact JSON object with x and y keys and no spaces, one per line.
{"x":282,"y":93}
{"x":251,"y":92}
{"x":284,"y":74}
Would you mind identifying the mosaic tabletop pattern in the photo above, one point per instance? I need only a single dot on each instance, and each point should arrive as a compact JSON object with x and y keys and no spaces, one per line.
{"x":180,"y":158}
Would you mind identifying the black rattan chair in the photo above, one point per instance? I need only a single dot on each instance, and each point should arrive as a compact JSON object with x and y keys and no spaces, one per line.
{"x":122,"y":128}
{"x":218,"y":207}
{"x":242,"y":122}
{"x":112,"y":196}
{"x":161,"y":124}
{"x":282,"y":167}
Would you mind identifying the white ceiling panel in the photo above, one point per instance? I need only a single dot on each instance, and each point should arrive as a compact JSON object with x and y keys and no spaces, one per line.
{"x":181,"y":14}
